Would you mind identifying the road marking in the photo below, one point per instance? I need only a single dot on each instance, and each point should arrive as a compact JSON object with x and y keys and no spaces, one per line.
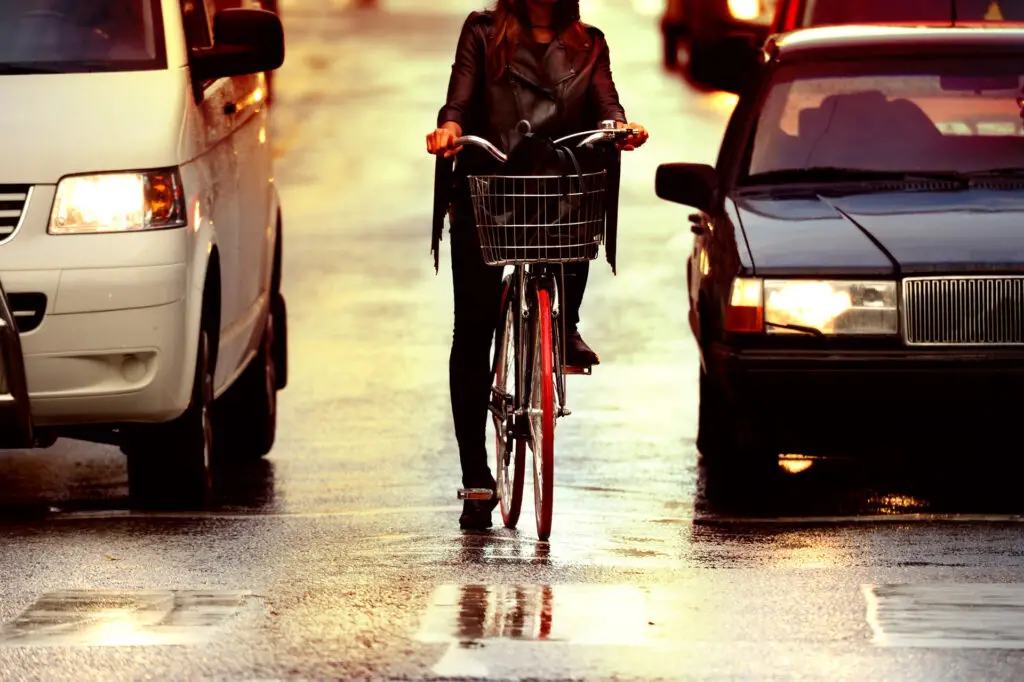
{"x":122,"y":618}
{"x":865,"y":519}
{"x":946,"y":615}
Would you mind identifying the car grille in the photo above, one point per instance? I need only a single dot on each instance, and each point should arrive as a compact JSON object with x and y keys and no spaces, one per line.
{"x":964,"y":311}
{"x":13,"y":199}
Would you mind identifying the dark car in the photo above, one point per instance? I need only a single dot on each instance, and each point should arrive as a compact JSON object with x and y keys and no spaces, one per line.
{"x":796,"y":14}
{"x":859,"y":250}
{"x":718,"y":33}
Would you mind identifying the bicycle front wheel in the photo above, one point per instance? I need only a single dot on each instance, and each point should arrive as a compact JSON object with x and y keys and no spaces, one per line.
{"x":510,"y":453}
{"x":542,"y":413}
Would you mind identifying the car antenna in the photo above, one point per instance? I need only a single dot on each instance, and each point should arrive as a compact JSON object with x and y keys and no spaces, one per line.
{"x":952,"y":13}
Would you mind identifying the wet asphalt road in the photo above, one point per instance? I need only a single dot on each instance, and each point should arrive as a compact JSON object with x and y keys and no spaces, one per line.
{"x":340,"y":555}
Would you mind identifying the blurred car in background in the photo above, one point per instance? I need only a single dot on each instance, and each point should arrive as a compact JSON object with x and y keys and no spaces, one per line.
{"x":797,"y":14}
{"x":722,"y":34}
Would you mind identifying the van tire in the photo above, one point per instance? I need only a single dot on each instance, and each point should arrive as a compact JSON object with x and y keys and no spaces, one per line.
{"x":171,"y":465}
{"x":247,"y":414}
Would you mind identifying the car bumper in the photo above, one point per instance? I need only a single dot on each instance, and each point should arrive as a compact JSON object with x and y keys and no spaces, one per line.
{"x":932,"y":375}
{"x":860,"y":398}
{"x":110,"y":347}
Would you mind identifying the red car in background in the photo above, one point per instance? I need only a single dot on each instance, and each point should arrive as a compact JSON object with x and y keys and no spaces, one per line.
{"x":791,"y":15}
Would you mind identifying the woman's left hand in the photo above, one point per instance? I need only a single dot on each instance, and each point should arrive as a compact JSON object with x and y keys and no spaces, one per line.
{"x":634,"y":141}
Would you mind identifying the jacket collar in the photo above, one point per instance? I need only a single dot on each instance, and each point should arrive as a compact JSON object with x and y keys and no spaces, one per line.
{"x":557,"y":66}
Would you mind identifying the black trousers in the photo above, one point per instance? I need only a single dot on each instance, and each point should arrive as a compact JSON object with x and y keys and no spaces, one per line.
{"x":477,"y":289}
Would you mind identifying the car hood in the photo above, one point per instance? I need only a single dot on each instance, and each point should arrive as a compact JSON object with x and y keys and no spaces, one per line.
{"x":889,"y":233}
{"x":52,"y":125}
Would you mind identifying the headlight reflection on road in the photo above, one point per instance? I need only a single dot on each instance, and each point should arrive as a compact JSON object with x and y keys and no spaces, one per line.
{"x":795,"y":464}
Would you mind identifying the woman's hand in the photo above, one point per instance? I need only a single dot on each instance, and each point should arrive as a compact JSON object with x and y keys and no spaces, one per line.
{"x":442,"y":140}
{"x":634,"y":141}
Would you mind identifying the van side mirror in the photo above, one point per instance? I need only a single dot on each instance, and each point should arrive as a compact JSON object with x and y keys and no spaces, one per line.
{"x":689,"y":184}
{"x":245,"y":41}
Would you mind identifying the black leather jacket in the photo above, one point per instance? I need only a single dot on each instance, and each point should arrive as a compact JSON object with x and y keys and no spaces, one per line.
{"x":570,"y":90}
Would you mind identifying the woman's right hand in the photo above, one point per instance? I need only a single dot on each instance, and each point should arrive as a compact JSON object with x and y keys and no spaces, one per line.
{"x":443,"y":139}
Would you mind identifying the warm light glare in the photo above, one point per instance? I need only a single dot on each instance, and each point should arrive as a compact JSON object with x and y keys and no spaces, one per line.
{"x":263,"y":135}
{"x":100,"y":203}
{"x":811,"y":304}
{"x":118,"y":202}
{"x":794,"y":464}
{"x":745,"y":10}
{"x":746,"y":293}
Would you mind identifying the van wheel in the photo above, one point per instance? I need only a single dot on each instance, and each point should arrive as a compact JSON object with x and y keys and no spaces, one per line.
{"x":248,"y":413}
{"x":280,"y":311}
{"x":170,"y":465}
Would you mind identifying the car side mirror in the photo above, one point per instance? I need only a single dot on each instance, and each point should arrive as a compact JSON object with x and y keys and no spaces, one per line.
{"x":245,"y":41}
{"x":689,"y":184}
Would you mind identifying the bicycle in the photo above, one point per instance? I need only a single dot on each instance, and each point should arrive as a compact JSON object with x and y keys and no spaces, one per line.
{"x":535,"y":224}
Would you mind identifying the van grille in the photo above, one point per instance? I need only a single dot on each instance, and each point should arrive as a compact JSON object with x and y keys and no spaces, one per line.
{"x":13,"y":199}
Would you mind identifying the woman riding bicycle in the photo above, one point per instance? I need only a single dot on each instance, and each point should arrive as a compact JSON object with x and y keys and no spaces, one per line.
{"x":529,"y":60}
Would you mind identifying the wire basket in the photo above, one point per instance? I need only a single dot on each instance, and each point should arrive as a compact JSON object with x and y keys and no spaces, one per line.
{"x":539,"y":219}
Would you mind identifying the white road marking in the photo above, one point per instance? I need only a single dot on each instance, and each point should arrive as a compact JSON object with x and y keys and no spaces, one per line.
{"x":947,"y":615}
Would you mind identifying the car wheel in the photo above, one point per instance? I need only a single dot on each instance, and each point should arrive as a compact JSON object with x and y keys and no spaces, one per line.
{"x":170,"y":465}
{"x":734,"y":453}
{"x":247,"y":415}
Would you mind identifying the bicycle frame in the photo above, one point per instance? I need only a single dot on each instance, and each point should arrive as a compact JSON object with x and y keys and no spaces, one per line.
{"x":526,"y":278}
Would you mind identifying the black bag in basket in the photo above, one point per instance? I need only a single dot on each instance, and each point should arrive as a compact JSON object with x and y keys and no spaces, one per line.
{"x":549,"y":203}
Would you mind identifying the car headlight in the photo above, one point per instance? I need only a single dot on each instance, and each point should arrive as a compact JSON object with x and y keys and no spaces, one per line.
{"x":830,"y":307}
{"x":745,"y":10}
{"x":118,"y":202}
{"x":812,"y":306}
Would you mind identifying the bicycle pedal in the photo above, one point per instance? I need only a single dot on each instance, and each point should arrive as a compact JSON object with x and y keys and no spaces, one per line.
{"x":579,"y":370}
{"x":483,"y":494}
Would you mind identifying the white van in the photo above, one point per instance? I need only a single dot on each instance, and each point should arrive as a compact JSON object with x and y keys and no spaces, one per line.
{"x":140,"y":234}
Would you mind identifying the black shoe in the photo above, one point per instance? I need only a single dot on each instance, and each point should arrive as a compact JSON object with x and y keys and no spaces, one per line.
{"x":578,"y":353}
{"x":476,"y":514}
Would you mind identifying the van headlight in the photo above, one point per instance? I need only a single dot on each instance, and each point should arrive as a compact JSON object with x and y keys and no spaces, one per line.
{"x":118,"y":202}
{"x":831,"y":307}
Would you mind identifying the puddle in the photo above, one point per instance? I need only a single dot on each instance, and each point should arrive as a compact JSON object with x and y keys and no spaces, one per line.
{"x":580,"y":614}
{"x":121,"y":618}
{"x":951,"y":616}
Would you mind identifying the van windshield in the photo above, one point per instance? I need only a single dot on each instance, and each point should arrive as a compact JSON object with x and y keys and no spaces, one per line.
{"x":74,"y":36}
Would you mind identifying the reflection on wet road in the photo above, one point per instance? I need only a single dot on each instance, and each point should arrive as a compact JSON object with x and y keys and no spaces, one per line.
{"x":340,"y":556}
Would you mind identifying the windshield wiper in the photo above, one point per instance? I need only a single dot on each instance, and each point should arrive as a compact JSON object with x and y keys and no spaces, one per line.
{"x":838,"y":174}
{"x":796,"y":328}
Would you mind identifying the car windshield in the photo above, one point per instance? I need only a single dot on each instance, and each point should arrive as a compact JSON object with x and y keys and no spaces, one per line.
{"x":949,"y":114}
{"x":67,"y":36}
{"x":829,"y":12}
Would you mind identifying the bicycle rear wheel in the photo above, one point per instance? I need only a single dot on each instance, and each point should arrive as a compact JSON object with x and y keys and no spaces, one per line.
{"x":542,"y":413}
{"x":510,"y":453}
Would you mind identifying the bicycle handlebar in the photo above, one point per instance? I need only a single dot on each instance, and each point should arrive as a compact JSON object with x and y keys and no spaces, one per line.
{"x":590,"y":137}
